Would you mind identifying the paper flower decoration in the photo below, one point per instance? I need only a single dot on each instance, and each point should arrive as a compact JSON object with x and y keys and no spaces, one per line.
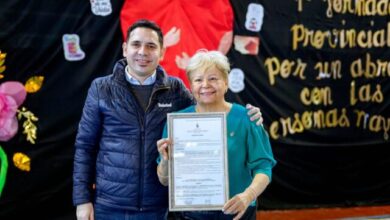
{"x":2,"y":66}
{"x":12,"y":95}
{"x":22,"y":161}
{"x":34,"y":84}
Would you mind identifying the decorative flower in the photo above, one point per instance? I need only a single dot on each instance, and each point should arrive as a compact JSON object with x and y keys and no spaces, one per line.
{"x":12,"y":95}
{"x":22,"y":161}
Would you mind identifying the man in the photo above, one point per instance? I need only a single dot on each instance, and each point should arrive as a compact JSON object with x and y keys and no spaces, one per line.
{"x":123,"y":117}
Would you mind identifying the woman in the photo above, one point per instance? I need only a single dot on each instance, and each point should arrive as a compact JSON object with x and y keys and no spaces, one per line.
{"x":250,"y":155}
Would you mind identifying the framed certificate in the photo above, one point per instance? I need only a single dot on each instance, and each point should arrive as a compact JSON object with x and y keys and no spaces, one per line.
{"x":198,"y":168}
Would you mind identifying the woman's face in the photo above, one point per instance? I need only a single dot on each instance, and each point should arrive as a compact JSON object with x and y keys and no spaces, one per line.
{"x":208,"y":86}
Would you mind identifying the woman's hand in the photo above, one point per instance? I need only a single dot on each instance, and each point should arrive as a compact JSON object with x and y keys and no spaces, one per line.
{"x":238,"y":204}
{"x":162,"y":148}
{"x":162,"y":168}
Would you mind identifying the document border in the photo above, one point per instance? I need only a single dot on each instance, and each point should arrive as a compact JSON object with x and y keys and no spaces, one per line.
{"x":171,"y":163}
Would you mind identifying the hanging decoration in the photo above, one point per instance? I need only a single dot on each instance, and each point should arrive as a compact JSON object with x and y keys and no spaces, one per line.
{"x":12,"y":96}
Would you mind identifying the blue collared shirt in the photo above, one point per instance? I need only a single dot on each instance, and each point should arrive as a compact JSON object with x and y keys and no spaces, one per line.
{"x":148,"y":81}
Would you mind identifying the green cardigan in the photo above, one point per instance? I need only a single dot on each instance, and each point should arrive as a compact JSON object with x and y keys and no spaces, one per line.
{"x":249,"y":149}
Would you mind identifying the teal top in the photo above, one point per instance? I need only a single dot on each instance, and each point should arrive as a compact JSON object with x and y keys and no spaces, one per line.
{"x":249,"y":149}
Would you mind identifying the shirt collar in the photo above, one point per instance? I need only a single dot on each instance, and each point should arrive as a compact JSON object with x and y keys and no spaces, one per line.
{"x":148,"y":81}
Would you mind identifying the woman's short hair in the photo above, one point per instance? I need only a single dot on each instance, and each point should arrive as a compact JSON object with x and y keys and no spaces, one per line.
{"x":204,"y":60}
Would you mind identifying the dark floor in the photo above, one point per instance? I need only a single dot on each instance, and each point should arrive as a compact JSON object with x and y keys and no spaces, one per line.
{"x":355,"y":213}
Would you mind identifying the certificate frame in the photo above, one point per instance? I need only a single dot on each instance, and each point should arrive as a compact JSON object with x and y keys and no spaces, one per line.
{"x":197,"y":190}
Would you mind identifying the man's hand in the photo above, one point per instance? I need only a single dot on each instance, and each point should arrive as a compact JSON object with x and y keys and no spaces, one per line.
{"x":255,"y":114}
{"x":85,"y":212}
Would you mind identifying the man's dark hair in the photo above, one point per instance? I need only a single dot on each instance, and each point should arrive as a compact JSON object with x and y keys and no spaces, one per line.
{"x":143,"y":23}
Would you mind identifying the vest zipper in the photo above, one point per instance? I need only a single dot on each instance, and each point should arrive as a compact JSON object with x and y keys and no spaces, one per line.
{"x":142,"y":124}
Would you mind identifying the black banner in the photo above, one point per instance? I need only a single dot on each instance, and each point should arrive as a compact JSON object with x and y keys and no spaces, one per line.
{"x":321,"y":78}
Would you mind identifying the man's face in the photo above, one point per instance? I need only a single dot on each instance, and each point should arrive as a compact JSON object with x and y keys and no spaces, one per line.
{"x":143,"y":52}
